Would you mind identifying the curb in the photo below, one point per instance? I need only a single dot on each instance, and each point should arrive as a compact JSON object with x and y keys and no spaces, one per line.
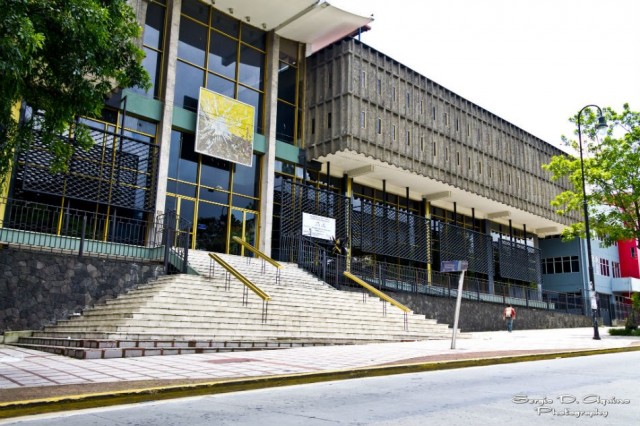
{"x":130,"y":396}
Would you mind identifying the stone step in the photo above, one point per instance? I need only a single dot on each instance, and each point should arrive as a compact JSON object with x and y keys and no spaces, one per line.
{"x":247,"y":323}
{"x":294,"y":304}
{"x":248,"y":327}
{"x":160,"y":343}
{"x":202,"y":337}
{"x":240,"y":312}
{"x":301,"y":309}
{"x":113,"y":348}
{"x":352,"y":302}
{"x":255,"y":336}
{"x":234,"y":317}
{"x":105,"y":353}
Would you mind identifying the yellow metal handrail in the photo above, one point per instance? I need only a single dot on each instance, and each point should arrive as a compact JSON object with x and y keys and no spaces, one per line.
{"x":377,"y":292}
{"x":257,"y":252}
{"x":244,"y":280}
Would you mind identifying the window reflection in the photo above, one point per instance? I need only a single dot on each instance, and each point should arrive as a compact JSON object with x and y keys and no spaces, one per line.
{"x":196,"y":10}
{"x":192,"y":41}
{"x":287,"y":83}
{"x":226,"y":24}
{"x":153,"y":26}
{"x":221,"y":85}
{"x":285,"y":123}
{"x":245,"y":179}
{"x":254,"y":98}
{"x":223,"y":54}
{"x":251,"y":67}
{"x":188,"y":86}
{"x":211,"y":230}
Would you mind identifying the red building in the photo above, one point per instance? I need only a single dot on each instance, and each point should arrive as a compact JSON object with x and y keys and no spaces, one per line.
{"x":629,"y":261}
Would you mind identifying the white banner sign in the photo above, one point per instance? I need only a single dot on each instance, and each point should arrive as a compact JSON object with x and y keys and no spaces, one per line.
{"x":318,"y":226}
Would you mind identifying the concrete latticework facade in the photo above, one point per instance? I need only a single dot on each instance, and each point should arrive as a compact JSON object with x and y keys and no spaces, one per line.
{"x":364,"y":108}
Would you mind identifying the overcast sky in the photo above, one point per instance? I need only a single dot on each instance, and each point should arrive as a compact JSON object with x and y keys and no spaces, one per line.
{"x":535,"y":63}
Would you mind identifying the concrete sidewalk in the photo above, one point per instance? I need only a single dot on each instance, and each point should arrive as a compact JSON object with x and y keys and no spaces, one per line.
{"x":35,"y":382}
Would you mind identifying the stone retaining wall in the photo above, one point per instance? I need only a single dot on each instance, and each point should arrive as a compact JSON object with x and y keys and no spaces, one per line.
{"x":483,"y":316}
{"x":38,"y":288}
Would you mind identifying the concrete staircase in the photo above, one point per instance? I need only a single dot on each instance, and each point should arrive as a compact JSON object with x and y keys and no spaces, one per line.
{"x":212,"y":312}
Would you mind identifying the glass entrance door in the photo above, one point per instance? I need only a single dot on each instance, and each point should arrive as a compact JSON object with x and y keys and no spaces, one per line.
{"x":243,"y":225}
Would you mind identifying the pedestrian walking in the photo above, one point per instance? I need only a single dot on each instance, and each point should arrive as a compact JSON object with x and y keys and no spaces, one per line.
{"x":509,"y":314}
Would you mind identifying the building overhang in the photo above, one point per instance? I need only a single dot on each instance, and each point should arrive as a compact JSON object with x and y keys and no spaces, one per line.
{"x":439,"y":194}
{"x":625,"y":285}
{"x":316,"y":23}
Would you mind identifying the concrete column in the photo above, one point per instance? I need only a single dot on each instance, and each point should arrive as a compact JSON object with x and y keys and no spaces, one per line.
{"x":140,"y":9}
{"x":169,"y":65}
{"x":536,"y":244}
{"x":269,"y":158}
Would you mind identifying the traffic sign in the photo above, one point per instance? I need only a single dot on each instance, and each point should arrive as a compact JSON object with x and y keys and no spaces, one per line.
{"x":454,"y":265}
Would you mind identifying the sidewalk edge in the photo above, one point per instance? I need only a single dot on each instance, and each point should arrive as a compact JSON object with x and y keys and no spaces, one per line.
{"x":130,"y":396}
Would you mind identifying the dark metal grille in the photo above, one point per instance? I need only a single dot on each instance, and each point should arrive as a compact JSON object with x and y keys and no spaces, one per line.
{"x":458,"y":243}
{"x":518,"y":261}
{"x":296,"y":198}
{"x":117,"y":170}
{"x":60,"y":229}
{"x":385,"y":276}
{"x":388,"y":231}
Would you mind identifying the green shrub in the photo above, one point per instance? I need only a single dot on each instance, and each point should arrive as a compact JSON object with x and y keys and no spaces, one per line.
{"x":624,"y":332}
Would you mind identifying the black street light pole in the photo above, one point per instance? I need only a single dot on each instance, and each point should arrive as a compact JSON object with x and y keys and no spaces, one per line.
{"x":592,"y":284}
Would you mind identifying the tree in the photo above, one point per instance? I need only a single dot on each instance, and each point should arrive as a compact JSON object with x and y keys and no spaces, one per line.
{"x":62,"y":58}
{"x":612,"y":175}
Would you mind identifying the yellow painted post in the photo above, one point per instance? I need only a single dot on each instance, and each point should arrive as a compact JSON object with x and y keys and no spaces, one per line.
{"x":348,"y":225}
{"x":4,"y":183}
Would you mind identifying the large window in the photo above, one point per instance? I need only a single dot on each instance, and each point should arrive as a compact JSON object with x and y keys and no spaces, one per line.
{"x":604,"y":267}
{"x":220,"y":198}
{"x":153,"y":45}
{"x":560,"y":265}
{"x":222,"y":54}
{"x":615,"y":267}
{"x":289,"y":113}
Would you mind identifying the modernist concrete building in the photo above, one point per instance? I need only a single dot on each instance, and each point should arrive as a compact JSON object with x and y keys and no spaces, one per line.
{"x":412,"y":173}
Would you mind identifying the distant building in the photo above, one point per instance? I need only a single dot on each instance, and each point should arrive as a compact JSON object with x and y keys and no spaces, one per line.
{"x":565,"y":270}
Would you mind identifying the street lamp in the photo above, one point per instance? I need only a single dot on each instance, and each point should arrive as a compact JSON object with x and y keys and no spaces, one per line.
{"x":602,"y":124}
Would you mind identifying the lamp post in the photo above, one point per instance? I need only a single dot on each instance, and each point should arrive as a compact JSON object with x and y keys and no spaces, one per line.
{"x":602,"y":124}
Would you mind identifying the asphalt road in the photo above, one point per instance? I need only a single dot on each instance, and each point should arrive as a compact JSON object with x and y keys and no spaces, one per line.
{"x":599,"y":389}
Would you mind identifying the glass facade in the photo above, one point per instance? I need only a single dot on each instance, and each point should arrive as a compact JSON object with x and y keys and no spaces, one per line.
{"x":153,"y":45}
{"x":220,"y":198}
{"x":222,"y":54}
{"x":111,"y":182}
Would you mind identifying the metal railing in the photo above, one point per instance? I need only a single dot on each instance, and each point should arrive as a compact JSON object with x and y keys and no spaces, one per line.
{"x":64,"y":230}
{"x":385,"y":298}
{"x":263,"y":257}
{"x":321,"y":262}
{"x":248,"y":285}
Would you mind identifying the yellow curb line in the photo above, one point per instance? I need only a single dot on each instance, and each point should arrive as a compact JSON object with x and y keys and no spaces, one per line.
{"x":104,"y":399}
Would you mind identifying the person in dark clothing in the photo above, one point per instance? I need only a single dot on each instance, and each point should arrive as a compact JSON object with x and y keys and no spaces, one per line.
{"x":339,"y":247}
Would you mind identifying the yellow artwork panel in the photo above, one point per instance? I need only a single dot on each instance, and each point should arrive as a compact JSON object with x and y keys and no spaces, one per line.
{"x":224,"y":128}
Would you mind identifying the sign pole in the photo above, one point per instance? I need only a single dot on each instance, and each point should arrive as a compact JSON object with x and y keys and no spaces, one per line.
{"x":457,"y":313}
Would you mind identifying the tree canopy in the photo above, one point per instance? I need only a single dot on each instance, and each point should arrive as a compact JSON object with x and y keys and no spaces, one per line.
{"x":612,"y":176}
{"x":62,"y":58}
